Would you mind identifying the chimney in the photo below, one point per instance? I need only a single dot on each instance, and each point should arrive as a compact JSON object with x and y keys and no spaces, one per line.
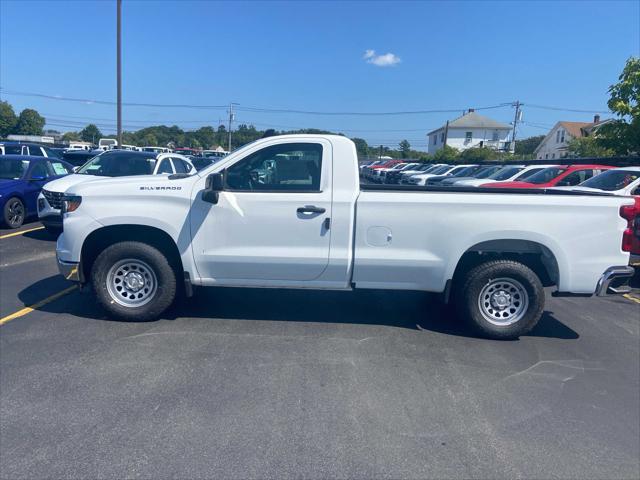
{"x":471,"y":110}
{"x":596,"y":119}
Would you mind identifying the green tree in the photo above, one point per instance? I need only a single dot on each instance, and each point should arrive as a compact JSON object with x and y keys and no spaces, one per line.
{"x":622,"y":135}
{"x":71,"y":137}
{"x":527,"y":146}
{"x":446,"y":154}
{"x":478,"y":154}
{"x":361,"y":147}
{"x":30,"y":122}
{"x":269,"y":133}
{"x":588,"y":147}
{"x":405,"y":148}
{"x":91,"y":133}
{"x":8,"y":119}
{"x":150,"y":140}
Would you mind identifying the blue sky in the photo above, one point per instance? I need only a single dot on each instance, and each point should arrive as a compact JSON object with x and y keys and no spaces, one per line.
{"x":312,"y":56}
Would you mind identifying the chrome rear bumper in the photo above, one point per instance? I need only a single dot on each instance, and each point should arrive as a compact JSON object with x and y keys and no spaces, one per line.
{"x":614,"y":281}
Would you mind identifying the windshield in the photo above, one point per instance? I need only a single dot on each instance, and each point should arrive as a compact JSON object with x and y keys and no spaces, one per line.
{"x":612,"y":180}
{"x":439,"y":170}
{"x":13,"y":168}
{"x":505,"y":173}
{"x":118,"y":165}
{"x":486,"y":172}
{"x":546,"y":175}
{"x":528,"y":173}
{"x":462,"y":171}
{"x":410,"y":166}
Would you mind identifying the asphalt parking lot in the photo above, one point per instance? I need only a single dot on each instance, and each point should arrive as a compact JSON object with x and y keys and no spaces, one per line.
{"x":243,"y":383}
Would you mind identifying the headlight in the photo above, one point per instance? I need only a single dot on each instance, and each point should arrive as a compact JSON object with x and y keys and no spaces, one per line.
{"x":70,"y":203}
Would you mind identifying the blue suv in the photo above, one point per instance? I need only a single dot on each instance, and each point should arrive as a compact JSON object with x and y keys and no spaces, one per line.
{"x":21,"y":179}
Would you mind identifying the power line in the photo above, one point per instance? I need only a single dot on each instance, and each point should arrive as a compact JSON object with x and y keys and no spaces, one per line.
{"x":156,"y":122}
{"x":106,"y":102}
{"x":245,"y":108}
{"x":564,"y":109}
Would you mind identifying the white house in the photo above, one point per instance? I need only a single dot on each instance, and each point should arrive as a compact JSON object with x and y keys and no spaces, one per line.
{"x":556,"y":143}
{"x":469,"y":131}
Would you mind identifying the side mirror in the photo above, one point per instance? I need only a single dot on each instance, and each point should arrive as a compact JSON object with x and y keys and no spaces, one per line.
{"x":213,"y":186}
{"x":75,"y":169}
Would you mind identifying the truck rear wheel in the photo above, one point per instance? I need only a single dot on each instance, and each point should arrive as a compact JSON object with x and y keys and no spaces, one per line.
{"x":133,"y":281}
{"x":500,"y":299}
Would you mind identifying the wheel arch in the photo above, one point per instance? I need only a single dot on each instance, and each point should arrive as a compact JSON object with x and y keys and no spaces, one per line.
{"x":535,"y":255}
{"x":103,"y":237}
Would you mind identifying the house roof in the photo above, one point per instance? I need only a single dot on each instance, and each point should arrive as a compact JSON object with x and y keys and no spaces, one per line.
{"x":474,"y":120}
{"x":575,"y":129}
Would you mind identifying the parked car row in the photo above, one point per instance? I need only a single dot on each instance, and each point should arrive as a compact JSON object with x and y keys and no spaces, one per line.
{"x":587,"y":178}
{"x":474,"y":175}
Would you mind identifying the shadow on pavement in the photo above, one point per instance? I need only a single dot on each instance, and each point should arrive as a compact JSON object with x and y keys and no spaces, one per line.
{"x":41,"y":235}
{"x":410,"y":310}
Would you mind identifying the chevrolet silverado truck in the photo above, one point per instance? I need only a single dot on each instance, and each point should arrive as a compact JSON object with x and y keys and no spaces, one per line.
{"x":289,"y":212}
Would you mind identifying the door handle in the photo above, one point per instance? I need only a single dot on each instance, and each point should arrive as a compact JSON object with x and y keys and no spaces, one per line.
{"x":311,"y":209}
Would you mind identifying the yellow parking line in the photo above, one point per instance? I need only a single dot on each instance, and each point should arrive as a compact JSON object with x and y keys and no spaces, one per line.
{"x":35,"y":306}
{"x":626,"y":295}
{"x":20,"y":232}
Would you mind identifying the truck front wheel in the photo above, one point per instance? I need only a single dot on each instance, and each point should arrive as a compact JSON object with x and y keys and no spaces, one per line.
{"x":500,"y":299}
{"x":133,"y":281}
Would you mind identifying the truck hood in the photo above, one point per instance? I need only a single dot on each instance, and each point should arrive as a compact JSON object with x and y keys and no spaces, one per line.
{"x":62,"y":184}
{"x":138,"y":184}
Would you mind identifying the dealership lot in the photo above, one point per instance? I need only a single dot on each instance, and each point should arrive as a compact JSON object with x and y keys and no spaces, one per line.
{"x":270,"y":383}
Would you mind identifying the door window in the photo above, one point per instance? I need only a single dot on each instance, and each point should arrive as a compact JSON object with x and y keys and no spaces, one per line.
{"x":180,"y":166}
{"x":293,"y":167}
{"x":165,"y":167}
{"x":35,"y":151}
{"x":39,"y":171}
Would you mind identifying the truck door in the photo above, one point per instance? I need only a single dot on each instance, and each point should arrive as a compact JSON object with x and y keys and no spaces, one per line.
{"x":272,"y":220}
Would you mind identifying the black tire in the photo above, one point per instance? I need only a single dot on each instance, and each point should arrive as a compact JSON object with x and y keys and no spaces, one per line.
{"x":53,"y":231}
{"x":165,"y":281}
{"x":14,"y":213}
{"x":525,"y":310}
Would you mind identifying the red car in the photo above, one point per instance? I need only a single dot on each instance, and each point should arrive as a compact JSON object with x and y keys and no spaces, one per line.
{"x":368,"y":171}
{"x":561,"y":175}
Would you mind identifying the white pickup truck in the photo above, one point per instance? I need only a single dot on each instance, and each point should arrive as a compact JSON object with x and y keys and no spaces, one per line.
{"x":288,"y":212}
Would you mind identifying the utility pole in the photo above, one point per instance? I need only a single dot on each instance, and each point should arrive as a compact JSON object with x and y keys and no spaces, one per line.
{"x":446,"y":134}
{"x":119,"y":70}
{"x":516,"y":118}
{"x":231,"y":119}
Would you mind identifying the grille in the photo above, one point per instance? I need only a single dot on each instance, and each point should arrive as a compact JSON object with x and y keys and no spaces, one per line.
{"x":54,"y":198}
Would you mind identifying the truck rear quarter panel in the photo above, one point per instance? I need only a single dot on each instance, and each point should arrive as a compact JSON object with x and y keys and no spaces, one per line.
{"x":414,"y":240}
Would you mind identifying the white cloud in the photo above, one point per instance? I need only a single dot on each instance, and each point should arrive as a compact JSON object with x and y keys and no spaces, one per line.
{"x":386,"y":60}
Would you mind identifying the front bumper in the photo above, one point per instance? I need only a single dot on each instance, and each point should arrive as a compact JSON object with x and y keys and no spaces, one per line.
{"x":71,"y":271}
{"x":614,"y":281}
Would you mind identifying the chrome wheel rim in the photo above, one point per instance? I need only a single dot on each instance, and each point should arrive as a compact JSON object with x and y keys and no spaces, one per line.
{"x":503,"y":301}
{"x":131,"y":283}
{"x":16,"y":213}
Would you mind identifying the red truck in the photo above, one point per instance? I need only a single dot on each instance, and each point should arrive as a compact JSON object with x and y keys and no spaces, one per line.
{"x":558,"y":176}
